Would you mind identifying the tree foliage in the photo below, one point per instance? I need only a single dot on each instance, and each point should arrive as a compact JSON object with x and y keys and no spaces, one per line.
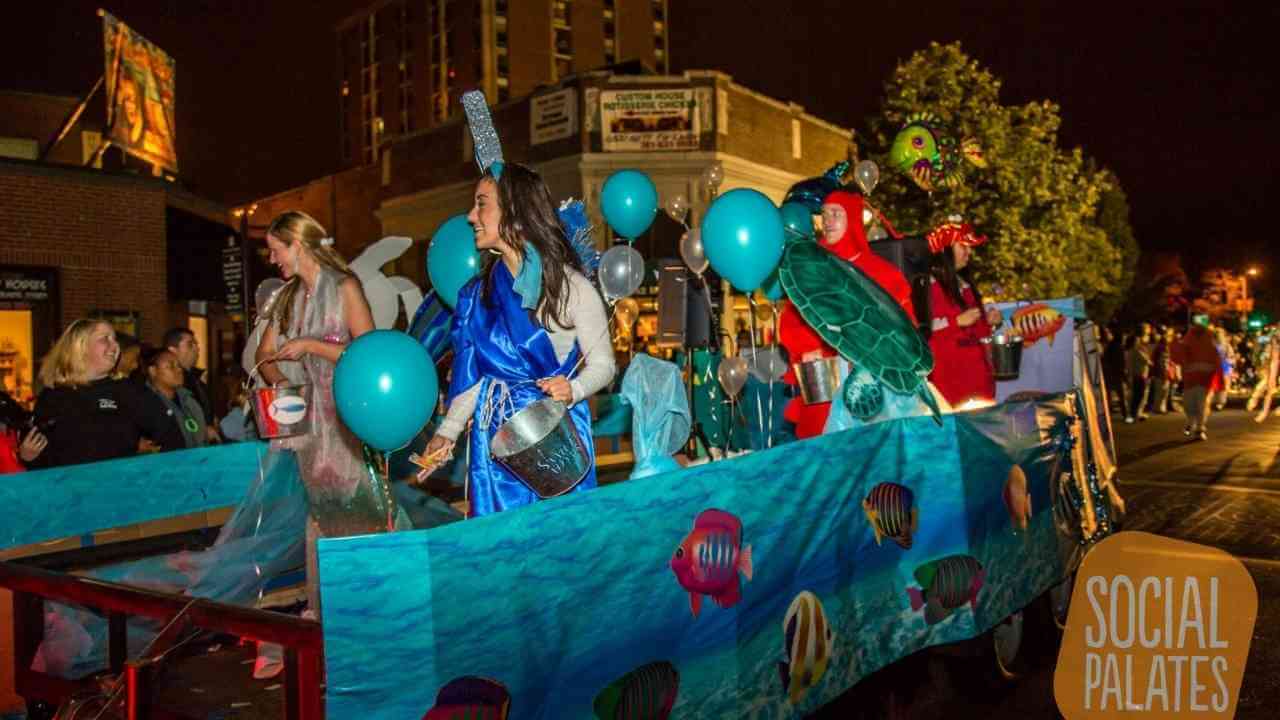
{"x":1038,"y":203}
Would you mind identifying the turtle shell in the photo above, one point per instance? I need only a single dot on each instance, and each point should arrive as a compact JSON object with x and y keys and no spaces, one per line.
{"x":856,"y":317}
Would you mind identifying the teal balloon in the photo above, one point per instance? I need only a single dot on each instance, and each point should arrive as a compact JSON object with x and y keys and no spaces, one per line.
{"x":629,"y":202}
{"x":742,"y":237}
{"x":452,"y":258}
{"x":385,"y":388}
{"x":797,"y":221}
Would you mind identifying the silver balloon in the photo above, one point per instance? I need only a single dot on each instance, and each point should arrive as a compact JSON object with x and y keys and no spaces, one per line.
{"x":732,"y":374}
{"x":621,"y":271}
{"x":266,"y":290}
{"x":867,"y":175}
{"x":767,"y":364}
{"x":677,"y":207}
{"x":877,"y":233}
{"x":692,"y":252}
{"x":713,"y":175}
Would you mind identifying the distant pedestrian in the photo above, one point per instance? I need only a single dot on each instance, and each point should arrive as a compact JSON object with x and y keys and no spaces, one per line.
{"x":1162,"y":372}
{"x":1268,"y":365}
{"x":1137,"y":360}
{"x":1201,"y":371}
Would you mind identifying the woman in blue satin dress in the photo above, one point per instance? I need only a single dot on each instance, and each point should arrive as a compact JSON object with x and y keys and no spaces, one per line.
{"x":519,"y":330}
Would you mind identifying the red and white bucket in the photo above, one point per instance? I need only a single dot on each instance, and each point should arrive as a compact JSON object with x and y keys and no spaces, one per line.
{"x":281,"y":411}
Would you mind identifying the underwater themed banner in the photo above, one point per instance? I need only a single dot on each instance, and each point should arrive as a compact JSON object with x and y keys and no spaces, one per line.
{"x":140,"y":96}
{"x":1048,"y":346}
{"x":762,"y":586}
{"x":102,"y":495}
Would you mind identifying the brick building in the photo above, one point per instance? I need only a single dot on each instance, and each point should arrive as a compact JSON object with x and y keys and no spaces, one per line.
{"x":80,"y":241}
{"x":576,"y":133}
{"x":404,"y":63}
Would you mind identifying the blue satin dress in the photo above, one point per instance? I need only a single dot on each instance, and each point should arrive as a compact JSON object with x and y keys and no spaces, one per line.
{"x":498,"y":342}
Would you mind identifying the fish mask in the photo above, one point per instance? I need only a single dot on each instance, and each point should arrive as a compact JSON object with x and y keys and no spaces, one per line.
{"x":922,"y":150}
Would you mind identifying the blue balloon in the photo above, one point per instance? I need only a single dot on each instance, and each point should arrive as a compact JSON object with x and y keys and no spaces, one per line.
{"x":742,"y":237}
{"x":797,"y":221}
{"x":385,"y":388}
{"x":452,"y":258}
{"x":629,"y":202}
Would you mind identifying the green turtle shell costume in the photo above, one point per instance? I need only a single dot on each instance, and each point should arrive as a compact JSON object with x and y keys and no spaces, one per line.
{"x":858,"y":318}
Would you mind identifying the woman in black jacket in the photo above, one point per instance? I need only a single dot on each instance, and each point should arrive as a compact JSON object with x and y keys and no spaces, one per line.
{"x":86,"y":414}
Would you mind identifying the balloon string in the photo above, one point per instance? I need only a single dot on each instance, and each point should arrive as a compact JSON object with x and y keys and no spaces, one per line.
{"x":751,"y":309}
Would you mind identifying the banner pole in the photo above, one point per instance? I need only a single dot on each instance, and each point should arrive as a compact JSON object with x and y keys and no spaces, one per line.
{"x":72,"y":118}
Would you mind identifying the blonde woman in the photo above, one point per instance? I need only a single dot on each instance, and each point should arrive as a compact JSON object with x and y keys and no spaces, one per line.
{"x":86,"y":414}
{"x":320,"y":309}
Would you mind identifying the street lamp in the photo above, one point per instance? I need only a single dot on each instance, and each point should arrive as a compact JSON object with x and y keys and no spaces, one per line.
{"x":1252,"y":271}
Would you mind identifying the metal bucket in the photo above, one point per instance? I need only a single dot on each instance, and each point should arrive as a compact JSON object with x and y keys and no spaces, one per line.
{"x":820,"y":379}
{"x":282,"y":411}
{"x":540,"y":446}
{"x":1005,"y":354}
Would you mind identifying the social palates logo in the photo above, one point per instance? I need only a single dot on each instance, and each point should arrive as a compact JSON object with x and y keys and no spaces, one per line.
{"x":1157,"y":628}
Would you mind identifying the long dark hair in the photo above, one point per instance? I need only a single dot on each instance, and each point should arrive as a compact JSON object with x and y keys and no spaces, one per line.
{"x":943,"y":268}
{"x":529,"y":216}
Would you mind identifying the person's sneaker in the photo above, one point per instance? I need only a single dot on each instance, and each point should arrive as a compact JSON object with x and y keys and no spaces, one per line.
{"x":1142,"y":418}
{"x":1128,"y":420}
{"x":1202,"y":435}
{"x":1187,"y":431}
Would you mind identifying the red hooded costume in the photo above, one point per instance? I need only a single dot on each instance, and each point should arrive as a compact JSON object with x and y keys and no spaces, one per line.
{"x":800,"y":340}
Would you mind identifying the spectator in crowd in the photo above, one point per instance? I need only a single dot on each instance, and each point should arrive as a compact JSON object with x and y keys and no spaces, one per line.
{"x":1268,"y":364}
{"x":1162,"y":371}
{"x":1201,"y":372}
{"x":1137,"y":360}
{"x":183,"y":344}
{"x":1113,"y":367}
{"x":86,"y":414}
{"x":1227,"y":358}
{"x":171,"y":407}
{"x":130,"y":357}
{"x":20,"y":442}
{"x":238,"y":424}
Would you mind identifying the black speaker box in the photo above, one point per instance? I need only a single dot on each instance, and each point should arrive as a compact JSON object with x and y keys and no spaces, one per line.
{"x":912,"y":257}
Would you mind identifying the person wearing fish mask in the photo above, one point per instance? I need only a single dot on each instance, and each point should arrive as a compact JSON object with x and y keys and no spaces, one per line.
{"x":961,"y":369}
{"x":522,"y":329}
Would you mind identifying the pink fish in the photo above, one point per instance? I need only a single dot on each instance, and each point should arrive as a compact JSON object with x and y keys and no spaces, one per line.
{"x":708,"y":560}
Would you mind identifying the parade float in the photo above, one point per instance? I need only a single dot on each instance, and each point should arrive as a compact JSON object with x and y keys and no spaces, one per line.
{"x":760,"y":585}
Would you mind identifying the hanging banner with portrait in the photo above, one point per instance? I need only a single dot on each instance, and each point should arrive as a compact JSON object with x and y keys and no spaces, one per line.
{"x":139,"y":80}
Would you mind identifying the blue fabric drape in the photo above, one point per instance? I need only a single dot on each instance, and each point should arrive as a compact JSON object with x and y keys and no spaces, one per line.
{"x":497,"y":341}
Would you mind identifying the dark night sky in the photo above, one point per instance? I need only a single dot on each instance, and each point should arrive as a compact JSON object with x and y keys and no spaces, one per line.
{"x":1173,"y":96}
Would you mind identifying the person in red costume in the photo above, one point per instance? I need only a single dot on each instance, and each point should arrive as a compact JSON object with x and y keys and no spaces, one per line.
{"x":843,"y":235}
{"x":961,"y":369}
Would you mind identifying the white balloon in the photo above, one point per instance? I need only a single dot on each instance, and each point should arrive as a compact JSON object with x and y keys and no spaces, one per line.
{"x":621,"y":271}
{"x":867,"y":175}
{"x":692,"y":252}
{"x":767,"y":364}
{"x":732,"y":374}
{"x":677,"y":207}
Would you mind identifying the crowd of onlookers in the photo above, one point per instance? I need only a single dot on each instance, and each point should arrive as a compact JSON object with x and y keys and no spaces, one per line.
{"x":105,"y":396}
{"x":1158,"y":369}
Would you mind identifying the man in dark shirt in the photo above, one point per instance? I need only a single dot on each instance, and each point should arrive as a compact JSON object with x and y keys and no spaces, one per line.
{"x":182,"y":343}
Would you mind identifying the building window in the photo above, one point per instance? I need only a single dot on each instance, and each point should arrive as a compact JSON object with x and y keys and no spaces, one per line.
{"x":562,"y":38}
{"x":564,"y":42}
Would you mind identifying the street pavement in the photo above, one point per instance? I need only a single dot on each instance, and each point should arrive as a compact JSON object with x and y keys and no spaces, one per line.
{"x":1222,"y":492}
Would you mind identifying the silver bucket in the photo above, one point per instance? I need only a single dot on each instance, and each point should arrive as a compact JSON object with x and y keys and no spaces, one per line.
{"x":540,"y":446}
{"x":1005,"y":354}
{"x":820,"y":379}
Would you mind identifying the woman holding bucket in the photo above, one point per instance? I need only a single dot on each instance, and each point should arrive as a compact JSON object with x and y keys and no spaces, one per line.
{"x":961,"y":369}
{"x":319,"y":310}
{"x":522,"y":327}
